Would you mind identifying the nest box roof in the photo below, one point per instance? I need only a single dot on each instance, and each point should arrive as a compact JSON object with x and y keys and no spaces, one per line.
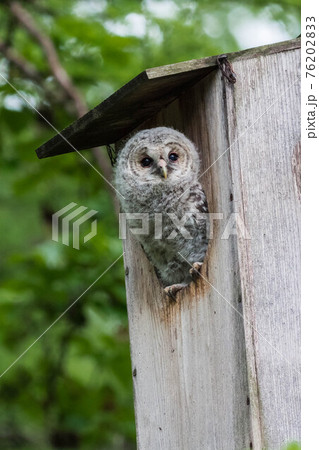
{"x":138,"y":100}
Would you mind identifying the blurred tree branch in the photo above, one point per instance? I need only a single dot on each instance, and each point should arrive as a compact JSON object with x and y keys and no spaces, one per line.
{"x":22,"y":64}
{"x":60,"y":74}
{"x":58,"y":71}
{"x":30,"y":72}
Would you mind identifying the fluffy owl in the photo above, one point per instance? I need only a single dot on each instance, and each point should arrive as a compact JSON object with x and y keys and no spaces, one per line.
{"x":157,"y":173}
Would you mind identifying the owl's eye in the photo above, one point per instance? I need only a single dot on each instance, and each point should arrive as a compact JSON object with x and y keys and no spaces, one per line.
{"x":146,"y":162}
{"x":173,"y":157}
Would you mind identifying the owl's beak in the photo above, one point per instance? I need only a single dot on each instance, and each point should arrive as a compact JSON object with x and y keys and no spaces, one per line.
{"x":163,"y":168}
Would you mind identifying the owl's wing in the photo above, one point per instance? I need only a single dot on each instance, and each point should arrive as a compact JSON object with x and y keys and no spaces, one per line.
{"x":198,"y":226}
{"x":202,"y":222}
{"x":199,"y":199}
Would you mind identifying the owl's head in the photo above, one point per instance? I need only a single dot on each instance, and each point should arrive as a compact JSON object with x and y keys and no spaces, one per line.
{"x":158,"y":156}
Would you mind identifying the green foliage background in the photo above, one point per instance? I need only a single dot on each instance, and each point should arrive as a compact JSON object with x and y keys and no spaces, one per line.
{"x":73,"y":388}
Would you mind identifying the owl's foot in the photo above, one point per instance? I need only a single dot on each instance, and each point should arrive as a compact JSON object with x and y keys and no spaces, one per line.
{"x":195,"y":270}
{"x":171,"y":291}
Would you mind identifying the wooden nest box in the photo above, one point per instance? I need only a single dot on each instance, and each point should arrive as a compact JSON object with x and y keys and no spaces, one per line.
{"x":220,"y":367}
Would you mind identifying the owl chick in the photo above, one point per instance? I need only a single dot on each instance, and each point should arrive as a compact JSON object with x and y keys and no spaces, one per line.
{"x":157,"y":174}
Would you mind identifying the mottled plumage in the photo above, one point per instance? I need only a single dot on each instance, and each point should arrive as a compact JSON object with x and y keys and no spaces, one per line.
{"x":157,"y":173}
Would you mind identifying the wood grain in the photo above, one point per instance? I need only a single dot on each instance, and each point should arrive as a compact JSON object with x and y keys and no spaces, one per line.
{"x":265,"y":162}
{"x":191,"y":382}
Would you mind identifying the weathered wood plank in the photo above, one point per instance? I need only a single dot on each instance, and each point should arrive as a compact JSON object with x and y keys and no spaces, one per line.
{"x":263,"y":121}
{"x":140,"y":99}
{"x":191,"y":386}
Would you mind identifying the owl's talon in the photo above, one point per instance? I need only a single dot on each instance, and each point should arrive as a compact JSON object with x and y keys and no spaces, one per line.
{"x":195,"y":270}
{"x":171,"y":291}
